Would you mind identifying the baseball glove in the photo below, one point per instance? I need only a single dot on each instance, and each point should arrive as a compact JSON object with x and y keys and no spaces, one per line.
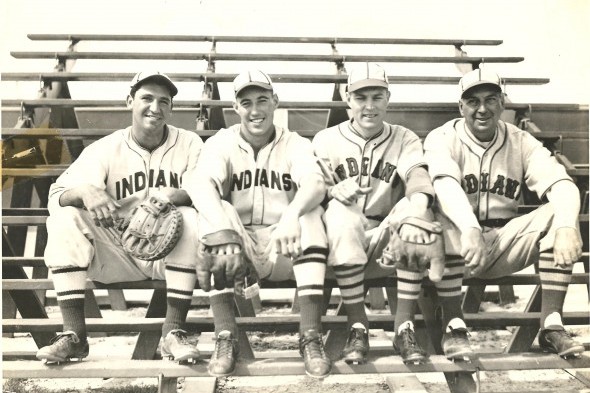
{"x":228,"y":270}
{"x":416,"y":257}
{"x":152,"y":229}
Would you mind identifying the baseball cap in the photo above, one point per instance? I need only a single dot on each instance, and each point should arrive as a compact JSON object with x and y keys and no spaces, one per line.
{"x":479,"y":77}
{"x":252,"y":78}
{"x":143,"y":76}
{"x":368,"y":75}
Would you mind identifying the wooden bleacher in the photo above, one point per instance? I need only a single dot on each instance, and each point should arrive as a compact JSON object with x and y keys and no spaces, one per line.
{"x":42,"y":136}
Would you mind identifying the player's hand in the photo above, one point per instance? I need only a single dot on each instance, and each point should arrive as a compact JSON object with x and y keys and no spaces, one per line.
{"x":567,"y":246}
{"x":413,"y":234}
{"x":101,"y":207}
{"x":287,"y":235}
{"x":348,"y":191}
{"x":473,"y":250}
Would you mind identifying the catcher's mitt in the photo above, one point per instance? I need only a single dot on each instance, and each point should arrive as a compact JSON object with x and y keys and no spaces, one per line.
{"x":228,"y":270}
{"x":152,"y":229}
{"x":416,"y":256}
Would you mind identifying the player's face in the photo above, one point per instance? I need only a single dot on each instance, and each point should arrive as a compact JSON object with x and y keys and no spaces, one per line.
{"x":482,"y":108}
{"x":151,"y":107}
{"x":256,"y":107}
{"x":369,"y":107}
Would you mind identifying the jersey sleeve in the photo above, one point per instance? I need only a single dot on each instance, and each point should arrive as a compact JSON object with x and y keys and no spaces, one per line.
{"x":303,"y":159}
{"x":213,"y":165}
{"x":194,"y":151}
{"x":411,"y":155}
{"x":440,"y":155}
{"x":541,"y":168}
{"x":320,"y":150}
{"x":89,"y":168}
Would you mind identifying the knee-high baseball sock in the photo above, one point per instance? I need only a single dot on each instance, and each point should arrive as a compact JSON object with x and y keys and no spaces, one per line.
{"x":350,"y":280}
{"x":409,"y":285}
{"x":222,"y":306}
{"x":449,"y":290}
{"x":70,"y":287}
{"x":554,"y":283}
{"x":180,"y":282}
{"x":310,"y":271}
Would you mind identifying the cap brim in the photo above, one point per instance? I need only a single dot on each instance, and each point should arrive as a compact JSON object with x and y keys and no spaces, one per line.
{"x":480,"y":83}
{"x":262,"y":85}
{"x":367,"y":83}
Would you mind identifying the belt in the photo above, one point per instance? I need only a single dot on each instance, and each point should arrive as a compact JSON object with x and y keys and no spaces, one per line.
{"x":495,"y":222}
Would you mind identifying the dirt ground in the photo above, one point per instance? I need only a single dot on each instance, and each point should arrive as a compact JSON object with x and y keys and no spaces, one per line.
{"x":482,"y":340}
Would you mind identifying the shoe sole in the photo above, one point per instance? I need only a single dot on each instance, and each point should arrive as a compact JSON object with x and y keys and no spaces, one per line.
{"x":218,"y":375}
{"x":53,"y":360}
{"x":317,"y":376}
{"x":415,"y":360}
{"x":354,"y":358}
{"x":464,"y":356}
{"x":575,"y":351}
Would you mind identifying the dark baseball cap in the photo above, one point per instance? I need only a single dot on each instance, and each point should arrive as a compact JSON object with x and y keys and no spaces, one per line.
{"x":144,"y":76}
{"x":252,"y":78}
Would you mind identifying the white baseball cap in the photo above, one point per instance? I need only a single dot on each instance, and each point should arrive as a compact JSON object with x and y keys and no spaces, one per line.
{"x":143,"y":76}
{"x":367,"y":75}
{"x":252,"y":78}
{"x":479,"y":77}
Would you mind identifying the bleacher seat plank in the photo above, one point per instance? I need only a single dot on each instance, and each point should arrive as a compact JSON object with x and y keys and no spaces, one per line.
{"x":284,"y":323}
{"x":221,"y":77}
{"x":284,"y":366}
{"x":393,"y":106}
{"x":404,"y":383}
{"x":211,"y":56}
{"x":263,"y":39}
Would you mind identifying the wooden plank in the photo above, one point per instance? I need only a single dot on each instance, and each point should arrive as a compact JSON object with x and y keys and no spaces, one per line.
{"x":197,"y":385}
{"x":393,"y":106}
{"x":404,"y":383}
{"x":283,"y":323}
{"x":29,"y":284}
{"x":220,"y":77}
{"x":274,"y":366}
{"x":147,"y":342}
{"x":263,"y":39}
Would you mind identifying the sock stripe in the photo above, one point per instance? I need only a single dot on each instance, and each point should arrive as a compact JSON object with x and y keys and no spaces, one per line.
{"x":309,"y":259}
{"x":316,"y":250}
{"x":181,"y":269}
{"x":556,"y":271}
{"x":311,"y":286}
{"x":558,"y":287}
{"x":453,"y":277}
{"x":69,"y":269}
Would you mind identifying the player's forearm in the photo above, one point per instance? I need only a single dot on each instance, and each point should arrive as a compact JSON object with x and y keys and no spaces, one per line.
{"x":177,"y":197}
{"x":73,"y":197}
{"x":207,"y":201}
{"x":419,"y":203}
{"x":565,"y":198}
{"x":454,"y":203}
{"x":309,"y":196}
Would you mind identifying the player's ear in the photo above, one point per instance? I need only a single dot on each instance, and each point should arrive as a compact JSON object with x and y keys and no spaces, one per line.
{"x":129,"y":101}
{"x":461,"y":107}
{"x":275,"y":99}
{"x":348,"y":98}
{"x":235,"y":106}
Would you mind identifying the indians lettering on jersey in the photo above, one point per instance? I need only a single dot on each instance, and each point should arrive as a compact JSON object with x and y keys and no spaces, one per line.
{"x":382,"y":171}
{"x":501,"y":185}
{"x":139,"y":181}
{"x":269,"y":179}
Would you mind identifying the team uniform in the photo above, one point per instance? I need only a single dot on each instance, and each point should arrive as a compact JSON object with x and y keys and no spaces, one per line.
{"x":256,"y":190}
{"x":128,"y":173}
{"x":494,"y":178}
{"x":382,"y":163}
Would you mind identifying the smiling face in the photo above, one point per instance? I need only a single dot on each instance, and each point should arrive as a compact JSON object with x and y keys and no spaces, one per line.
{"x":482,"y":107}
{"x":256,"y":107}
{"x":369,"y":107}
{"x":151,"y":106}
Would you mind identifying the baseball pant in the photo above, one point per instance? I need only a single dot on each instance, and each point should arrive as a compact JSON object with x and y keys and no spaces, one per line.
{"x":74,"y":240}
{"x":256,"y":238}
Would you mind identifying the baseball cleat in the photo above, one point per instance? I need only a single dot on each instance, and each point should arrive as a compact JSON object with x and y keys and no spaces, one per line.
{"x":177,"y":347}
{"x":558,"y":340}
{"x":223,"y":359}
{"x":456,"y":345}
{"x":63,"y":348}
{"x":406,"y":345}
{"x":357,"y":346}
{"x":311,"y":347}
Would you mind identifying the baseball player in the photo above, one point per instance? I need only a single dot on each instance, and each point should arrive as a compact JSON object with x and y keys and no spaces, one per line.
{"x":378,"y":176}
{"x":480,"y":167}
{"x":110,"y":178}
{"x":258,"y":191}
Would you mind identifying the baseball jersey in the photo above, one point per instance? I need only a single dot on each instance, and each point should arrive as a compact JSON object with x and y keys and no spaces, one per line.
{"x":261,"y":187}
{"x":126,"y":171}
{"x":382,"y":163}
{"x":492,"y":177}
